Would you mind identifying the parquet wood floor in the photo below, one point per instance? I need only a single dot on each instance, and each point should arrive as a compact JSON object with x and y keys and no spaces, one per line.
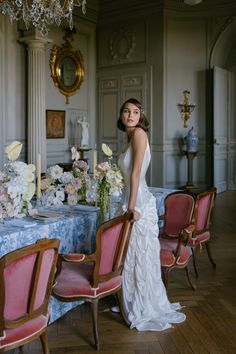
{"x":211,"y":309}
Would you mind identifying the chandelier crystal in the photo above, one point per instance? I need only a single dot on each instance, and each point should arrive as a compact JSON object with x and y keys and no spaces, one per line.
{"x":41,"y":13}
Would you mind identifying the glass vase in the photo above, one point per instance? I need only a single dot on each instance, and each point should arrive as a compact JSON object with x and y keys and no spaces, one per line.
{"x":82,"y":193}
{"x":92,"y":192}
{"x":105,"y":202}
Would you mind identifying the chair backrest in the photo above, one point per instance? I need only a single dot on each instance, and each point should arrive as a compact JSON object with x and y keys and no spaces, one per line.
{"x":179,"y":207}
{"x":111,"y":245}
{"x":26,"y":278}
{"x":203,"y":209}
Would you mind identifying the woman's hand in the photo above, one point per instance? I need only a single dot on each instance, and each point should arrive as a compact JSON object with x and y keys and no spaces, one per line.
{"x":135,"y":214}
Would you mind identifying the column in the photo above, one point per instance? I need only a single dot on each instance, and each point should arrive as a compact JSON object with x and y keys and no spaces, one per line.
{"x":36,"y":48}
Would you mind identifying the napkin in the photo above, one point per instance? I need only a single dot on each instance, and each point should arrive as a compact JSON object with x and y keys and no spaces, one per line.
{"x":47,"y":215}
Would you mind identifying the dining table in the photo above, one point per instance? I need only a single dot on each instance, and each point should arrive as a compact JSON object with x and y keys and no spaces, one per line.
{"x":75,"y":226}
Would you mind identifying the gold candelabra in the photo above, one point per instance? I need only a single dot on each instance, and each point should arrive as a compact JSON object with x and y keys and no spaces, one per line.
{"x":186,"y":108}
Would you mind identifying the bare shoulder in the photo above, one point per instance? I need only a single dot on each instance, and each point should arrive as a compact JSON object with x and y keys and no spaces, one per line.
{"x":139,"y":135}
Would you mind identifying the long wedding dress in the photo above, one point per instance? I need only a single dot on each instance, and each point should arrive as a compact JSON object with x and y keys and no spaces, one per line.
{"x":145,"y":301}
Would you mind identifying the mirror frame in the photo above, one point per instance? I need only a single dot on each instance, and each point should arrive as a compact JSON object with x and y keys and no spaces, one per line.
{"x":58,"y":54}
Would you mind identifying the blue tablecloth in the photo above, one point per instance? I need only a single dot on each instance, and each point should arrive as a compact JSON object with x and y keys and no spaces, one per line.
{"x":76,"y":230}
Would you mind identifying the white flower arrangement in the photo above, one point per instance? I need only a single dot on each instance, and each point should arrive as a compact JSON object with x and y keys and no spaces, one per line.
{"x":110,"y":173}
{"x":17,"y":185}
{"x":60,"y":185}
{"x":53,"y":186}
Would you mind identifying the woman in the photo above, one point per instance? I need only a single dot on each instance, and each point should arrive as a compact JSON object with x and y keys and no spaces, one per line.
{"x":145,"y":302}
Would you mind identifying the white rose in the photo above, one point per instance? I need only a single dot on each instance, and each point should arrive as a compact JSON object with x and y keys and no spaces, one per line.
{"x":56,"y":172}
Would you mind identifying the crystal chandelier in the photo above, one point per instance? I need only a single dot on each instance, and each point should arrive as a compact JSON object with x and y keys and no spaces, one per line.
{"x":41,"y":13}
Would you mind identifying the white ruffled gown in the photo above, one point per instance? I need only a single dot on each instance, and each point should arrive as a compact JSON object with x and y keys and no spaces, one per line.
{"x":145,"y":300}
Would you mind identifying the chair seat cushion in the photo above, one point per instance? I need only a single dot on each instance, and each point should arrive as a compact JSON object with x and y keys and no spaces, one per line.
{"x":167,"y":256}
{"x":13,"y":336}
{"x":198,"y":239}
{"x":75,"y":281}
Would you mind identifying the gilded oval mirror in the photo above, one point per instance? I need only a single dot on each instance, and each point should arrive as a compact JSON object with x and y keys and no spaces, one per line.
{"x":67,"y":71}
{"x":67,"y":68}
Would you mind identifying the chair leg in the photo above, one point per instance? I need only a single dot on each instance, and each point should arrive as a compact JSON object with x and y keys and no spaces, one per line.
{"x":193,"y":286}
{"x":194,"y":262}
{"x":119,"y":295}
{"x":94,"y":309}
{"x":44,"y":342}
{"x":209,"y":255}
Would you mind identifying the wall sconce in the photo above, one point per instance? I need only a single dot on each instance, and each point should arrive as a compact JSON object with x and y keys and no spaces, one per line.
{"x":185,"y":108}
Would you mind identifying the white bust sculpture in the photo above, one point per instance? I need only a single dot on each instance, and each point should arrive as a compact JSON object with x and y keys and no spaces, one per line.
{"x":85,"y":132}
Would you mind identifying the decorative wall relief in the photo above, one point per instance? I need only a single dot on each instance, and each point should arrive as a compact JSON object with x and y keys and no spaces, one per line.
{"x":109,"y":84}
{"x":122,"y":44}
{"x":130,"y":81}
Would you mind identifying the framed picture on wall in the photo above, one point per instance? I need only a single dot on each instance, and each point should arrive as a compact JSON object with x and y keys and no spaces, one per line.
{"x":55,"y":124}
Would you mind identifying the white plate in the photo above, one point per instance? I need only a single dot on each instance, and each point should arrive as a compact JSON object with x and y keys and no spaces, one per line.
{"x":47,"y":216}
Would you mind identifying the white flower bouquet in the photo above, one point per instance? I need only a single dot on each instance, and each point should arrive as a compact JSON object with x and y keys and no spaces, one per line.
{"x":17,"y":185}
{"x":53,"y":186}
{"x":60,"y":185}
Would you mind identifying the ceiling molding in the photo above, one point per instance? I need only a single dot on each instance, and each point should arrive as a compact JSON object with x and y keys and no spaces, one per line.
{"x":123,"y":9}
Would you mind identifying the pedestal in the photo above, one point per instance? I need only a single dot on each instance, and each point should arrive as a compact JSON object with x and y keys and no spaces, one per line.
{"x":190,"y":157}
{"x":82,"y":151}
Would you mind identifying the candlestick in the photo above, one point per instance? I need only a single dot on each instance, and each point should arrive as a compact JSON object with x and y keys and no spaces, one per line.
{"x":39,"y":176}
{"x":94,"y":162}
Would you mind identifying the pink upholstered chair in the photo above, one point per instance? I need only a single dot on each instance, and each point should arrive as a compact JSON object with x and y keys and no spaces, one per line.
{"x":174,"y":253}
{"x":199,"y":233}
{"x":95,"y":276}
{"x":26,"y":278}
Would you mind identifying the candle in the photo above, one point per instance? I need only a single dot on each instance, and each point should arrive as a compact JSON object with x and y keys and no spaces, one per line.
{"x":94,"y":162}
{"x":39,"y":176}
